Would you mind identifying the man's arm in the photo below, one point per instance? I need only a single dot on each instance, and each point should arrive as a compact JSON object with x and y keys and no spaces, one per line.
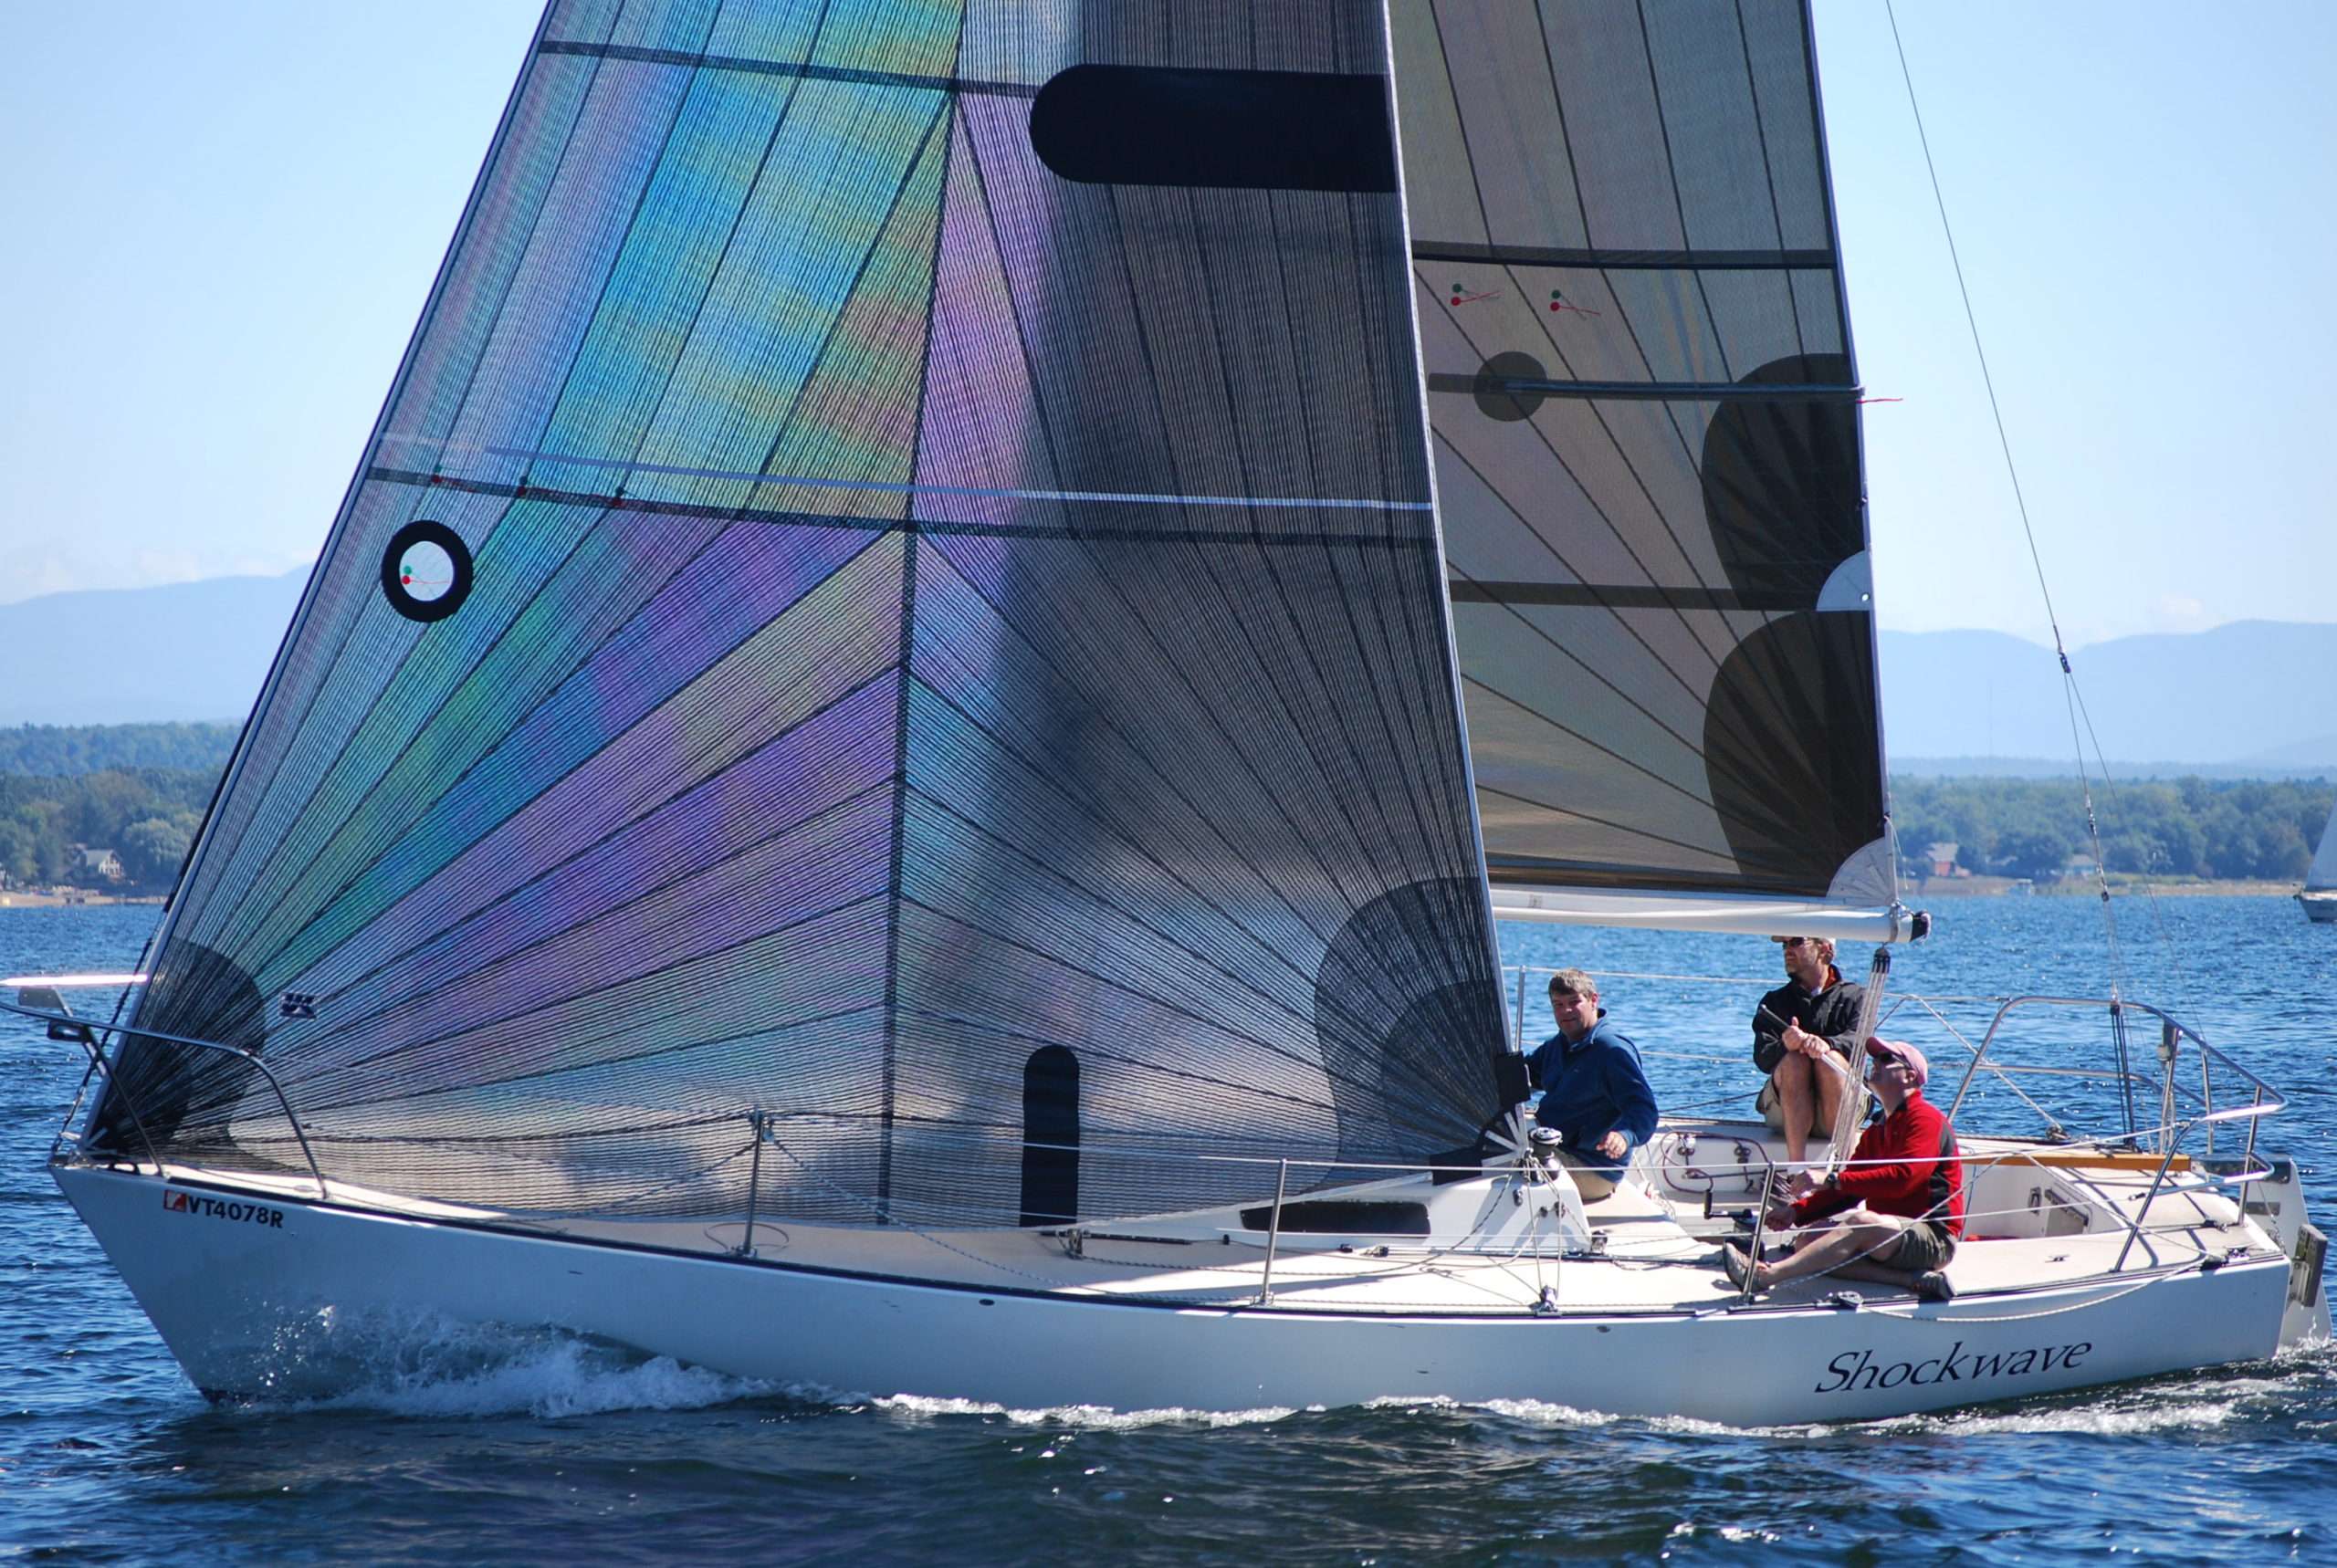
{"x":1844,"y":1004}
{"x":1769,"y":1022}
{"x":1820,"y":1201}
{"x":1627,"y":1089}
{"x":1899,"y":1161}
{"x":1628,"y":1083}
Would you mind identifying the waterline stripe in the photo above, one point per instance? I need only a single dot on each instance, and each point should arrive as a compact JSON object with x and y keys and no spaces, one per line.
{"x":1319,"y":503}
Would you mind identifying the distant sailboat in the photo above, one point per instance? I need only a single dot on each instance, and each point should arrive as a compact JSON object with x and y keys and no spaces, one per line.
{"x":887,"y":778}
{"x":2320,"y":894}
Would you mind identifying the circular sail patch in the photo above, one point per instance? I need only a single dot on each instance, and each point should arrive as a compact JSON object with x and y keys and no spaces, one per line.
{"x":427,"y":571}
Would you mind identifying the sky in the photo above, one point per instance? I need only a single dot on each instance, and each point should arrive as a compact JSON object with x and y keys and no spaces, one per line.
{"x":225,"y":220}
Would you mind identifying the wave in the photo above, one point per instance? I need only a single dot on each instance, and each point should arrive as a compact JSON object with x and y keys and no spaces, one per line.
{"x":1077,"y":1417}
{"x":419,"y":1364}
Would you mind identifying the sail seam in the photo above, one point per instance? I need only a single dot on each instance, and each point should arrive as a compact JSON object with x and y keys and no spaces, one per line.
{"x":1318,"y":502}
{"x":1493,"y":861}
{"x":850,"y":75}
{"x":895,"y":893}
{"x":1671,"y":171}
{"x":786,"y":425}
{"x":926,"y":526}
{"x":1659,"y":659}
{"x":1530,"y":709}
{"x":342,"y":989}
{"x":551,"y":416}
{"x":189,"y":898}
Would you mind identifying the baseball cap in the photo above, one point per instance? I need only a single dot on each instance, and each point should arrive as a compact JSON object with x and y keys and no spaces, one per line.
{"x":1918,"y":1069}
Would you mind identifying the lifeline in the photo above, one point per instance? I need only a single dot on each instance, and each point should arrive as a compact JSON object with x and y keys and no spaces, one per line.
{"x":1855,"y":1369}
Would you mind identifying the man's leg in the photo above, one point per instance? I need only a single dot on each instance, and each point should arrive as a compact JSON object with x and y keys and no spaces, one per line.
{"x":1795,"y":1104}
{"x":1858,"y":1245}
{"x":1589,"y":1180}
{"x":1830,"y":1098}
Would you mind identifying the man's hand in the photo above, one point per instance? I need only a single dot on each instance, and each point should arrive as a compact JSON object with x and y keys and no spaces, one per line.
{"x":1799,"y":1038}
{"x":1614,"y":1145}
{"x":1779,"y":1217}
{"x":1801,"y":1183}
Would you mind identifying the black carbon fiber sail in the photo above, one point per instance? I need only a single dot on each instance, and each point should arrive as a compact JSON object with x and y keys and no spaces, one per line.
{"x":1647,"y":443}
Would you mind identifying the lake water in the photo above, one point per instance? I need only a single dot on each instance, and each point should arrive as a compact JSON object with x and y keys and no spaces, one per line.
{"x":519,"y":1448}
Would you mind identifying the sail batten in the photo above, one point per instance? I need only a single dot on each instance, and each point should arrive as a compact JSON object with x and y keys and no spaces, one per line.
{"x":1645,"y":423}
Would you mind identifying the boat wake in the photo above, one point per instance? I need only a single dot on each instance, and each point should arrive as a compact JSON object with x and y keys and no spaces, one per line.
{"x":420,"y":1365}
{"x":1077,"y":1417}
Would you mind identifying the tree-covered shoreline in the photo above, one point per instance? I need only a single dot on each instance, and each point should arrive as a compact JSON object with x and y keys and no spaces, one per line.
{"x":2229,"y":830}
{"x":61,"y":751}
{"x":53,"y":832}
{"x":94,"y":798}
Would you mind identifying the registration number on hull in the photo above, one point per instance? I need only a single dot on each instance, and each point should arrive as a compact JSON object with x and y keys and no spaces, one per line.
{"x":202,"y":1205}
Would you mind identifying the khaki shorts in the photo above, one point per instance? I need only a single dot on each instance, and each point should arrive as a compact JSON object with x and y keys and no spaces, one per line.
{"x":1589,"y":1180}
{"x":1924,"y":1244}
{"x":1772,"y":1106}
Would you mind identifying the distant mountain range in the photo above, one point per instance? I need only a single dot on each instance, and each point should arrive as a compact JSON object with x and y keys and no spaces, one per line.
{"x":2252,"y":697}
{"x":190,"y":651}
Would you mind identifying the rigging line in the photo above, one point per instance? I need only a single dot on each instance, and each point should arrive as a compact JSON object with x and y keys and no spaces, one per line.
{"x":2020,"y":502}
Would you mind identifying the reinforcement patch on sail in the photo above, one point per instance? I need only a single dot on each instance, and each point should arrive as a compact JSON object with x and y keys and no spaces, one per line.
{"x":837,"y":613}
{"x":1646,"y":438}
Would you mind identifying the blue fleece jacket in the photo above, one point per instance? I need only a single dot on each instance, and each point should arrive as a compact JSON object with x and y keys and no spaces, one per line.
{"x":1592,"y":1087}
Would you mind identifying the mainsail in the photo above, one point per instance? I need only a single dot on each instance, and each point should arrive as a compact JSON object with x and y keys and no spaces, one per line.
{"x":2323,"y":876}
{"x":865,"y":613}
{"x":1647,"y":458}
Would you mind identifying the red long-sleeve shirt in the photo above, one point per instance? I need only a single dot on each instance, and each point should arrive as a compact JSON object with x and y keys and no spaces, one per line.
{"x":1905,"y":1164}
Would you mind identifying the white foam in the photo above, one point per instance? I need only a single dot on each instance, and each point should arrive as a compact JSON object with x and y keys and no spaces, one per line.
{"x":421,"y":1364}
{"x":1078,"y":1417}
{"x":563,"y":1377}
{"x":1543,"y":1414}
{"x":2093,"y":1422}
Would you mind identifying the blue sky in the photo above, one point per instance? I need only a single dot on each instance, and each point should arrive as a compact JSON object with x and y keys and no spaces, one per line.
{"x":225,"y":219}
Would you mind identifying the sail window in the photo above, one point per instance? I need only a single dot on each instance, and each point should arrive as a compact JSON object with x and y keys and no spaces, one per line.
{"x":1050,"y":1136}
{"x":1341,"y":1217}
{"x":1136,"y":125}
{"x":427,"y":571}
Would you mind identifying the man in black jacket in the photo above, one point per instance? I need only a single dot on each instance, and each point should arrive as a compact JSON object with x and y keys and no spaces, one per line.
{"x":1816,"y":1012}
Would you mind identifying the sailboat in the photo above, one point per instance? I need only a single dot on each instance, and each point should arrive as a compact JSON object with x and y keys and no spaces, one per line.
{"x":2320,"y":894}
{"x":897,"y":771}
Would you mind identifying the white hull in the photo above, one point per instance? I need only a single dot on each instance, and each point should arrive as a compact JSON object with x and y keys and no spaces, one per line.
{"x":2320,"y":906}
{"x":246,"y":1289}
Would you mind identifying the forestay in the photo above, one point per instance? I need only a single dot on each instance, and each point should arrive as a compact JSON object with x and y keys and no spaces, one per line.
{"x":863,"y":610}
{"x":1647,"y":459}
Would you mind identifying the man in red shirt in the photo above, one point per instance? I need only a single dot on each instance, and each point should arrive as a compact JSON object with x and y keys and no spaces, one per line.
{"x":1894,"y":1213}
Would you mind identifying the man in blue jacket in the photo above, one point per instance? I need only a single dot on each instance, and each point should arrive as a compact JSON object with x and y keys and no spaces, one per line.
{"x":1594,"y":1094}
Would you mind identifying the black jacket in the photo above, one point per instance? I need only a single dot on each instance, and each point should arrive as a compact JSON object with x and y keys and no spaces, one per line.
{"x":1832,"y":1012}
